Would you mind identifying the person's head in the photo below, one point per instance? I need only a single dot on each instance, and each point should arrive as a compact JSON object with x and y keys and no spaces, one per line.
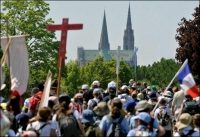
{"x":84,"y":88}
{"x":162,"y":102}
{"x":97,"y":92}
{"x":88,"y":117}
{"x":78,"y":98}
{"x":112,"y":89}
{"x":116,"y":107}
{"x":64,"y":101}
{"x":131,"y":81}
{"x":142,"y":118}
{"x":101,"y":109}
{"x":184,"y":121}
{"x":143,"y":106}
{"x":41,"y":85}
{"x":188,"y":97}
{"x":124,"y":89}
{"x":95,"y":84}
{"x":44,"y":114}
{"x":34,"y":90}
{"x":130,"y":106}
{"x":196,"y":121}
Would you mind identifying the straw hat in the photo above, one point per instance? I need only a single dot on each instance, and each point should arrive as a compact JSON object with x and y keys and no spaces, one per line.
{"x":184,"y":121}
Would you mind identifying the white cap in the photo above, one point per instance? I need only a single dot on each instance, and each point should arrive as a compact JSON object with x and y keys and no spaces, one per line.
{"x":96,"y":82}
{"x":112,"y":84}
{"x":124,"y":87}
{"x":85,"y":86}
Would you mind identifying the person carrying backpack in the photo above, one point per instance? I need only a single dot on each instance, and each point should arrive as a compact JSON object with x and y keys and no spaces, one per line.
{"x":142,"y":120}
{"x":43,"y":123}
{"x":69,"y":124}
{"x":114,"y":124}
{"x":163,"y":114}
{"x":90,"y":127}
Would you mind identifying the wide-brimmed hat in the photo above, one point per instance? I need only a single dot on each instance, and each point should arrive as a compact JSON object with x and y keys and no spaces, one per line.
{"x":144,"y":117}
{"x":101,"y":109}
{"x":142,"y":105}
{"x":184,"y":121}
{"x":88,"y":116}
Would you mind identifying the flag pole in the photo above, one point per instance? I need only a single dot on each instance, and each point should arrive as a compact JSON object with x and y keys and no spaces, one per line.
{"x":117,"y":66}
{"x":181,"y":68}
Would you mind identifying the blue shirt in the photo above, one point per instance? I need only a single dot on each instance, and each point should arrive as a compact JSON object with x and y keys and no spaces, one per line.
{"x":106,"y":123}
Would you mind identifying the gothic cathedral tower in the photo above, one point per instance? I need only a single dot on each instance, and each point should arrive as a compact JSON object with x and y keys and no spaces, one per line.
{"x":128,"y":41}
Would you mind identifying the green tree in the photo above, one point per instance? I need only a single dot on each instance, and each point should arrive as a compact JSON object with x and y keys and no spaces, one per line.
{"x":188,"y":37}
{"x":29,"y":17}
{"x":159,"y":73}
{"x":71,"y":80}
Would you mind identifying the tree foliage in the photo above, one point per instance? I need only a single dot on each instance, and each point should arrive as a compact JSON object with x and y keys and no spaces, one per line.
{"x":20,"y":17}
{"x":98,"y":69}
{"x":159,"y":73}
{"x":188,"y":37}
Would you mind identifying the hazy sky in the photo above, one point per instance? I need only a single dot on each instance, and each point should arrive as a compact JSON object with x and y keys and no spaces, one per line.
{"x":154,"y":24}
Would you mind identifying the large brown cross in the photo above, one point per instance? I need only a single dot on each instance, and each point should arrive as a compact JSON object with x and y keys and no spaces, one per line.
{"x":64,"y":27}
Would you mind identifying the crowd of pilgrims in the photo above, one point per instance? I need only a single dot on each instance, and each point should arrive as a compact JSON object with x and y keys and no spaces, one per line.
{"x":94,"y":112}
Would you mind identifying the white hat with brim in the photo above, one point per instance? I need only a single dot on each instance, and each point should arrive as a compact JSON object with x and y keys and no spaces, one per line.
{"x":184,"y":121}
{"x":3,"y":86}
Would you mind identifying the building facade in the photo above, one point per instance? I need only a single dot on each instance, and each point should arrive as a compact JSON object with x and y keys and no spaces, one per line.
{"x":127,"y":54}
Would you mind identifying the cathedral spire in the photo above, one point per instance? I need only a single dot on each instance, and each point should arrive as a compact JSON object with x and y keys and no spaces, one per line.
{"x":128,"y":41}
{"x":129,"y":24}
{"x":104,"y":43}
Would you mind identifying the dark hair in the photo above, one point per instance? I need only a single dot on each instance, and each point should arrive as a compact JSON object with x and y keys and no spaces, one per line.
{"x":44,"y":114}
{"x":196,"y":120}
{"x":116,"y":103}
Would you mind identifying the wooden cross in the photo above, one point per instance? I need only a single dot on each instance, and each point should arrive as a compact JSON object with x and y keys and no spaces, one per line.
{"x":64,"y":27}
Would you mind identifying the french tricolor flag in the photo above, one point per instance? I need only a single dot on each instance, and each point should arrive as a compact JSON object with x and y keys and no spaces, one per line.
{"x":186,"y":80}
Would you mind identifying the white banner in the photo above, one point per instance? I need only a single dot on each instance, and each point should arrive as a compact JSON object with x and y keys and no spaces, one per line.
{"x":47,"y":87}
{"x":17,"y":60}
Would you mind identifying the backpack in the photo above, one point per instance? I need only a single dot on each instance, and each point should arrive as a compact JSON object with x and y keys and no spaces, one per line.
{"x":191,"y":107}
{"x":115,"y":129}
{"x":163,"y":117}
{"x":69,"y":126}
{"x":34,"y":101}
{"x":92,"y":130}
{"x":189,"y":134}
